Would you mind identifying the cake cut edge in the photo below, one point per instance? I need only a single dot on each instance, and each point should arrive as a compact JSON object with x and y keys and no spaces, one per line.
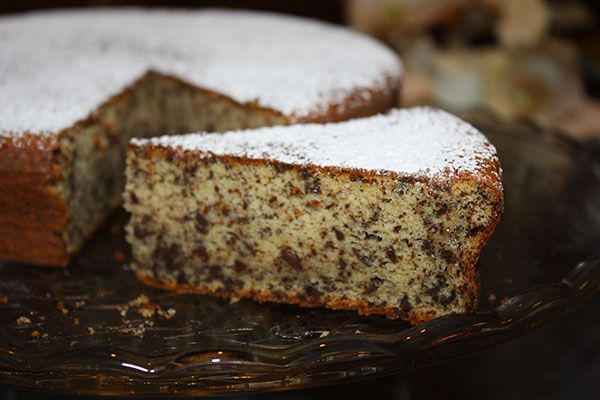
{"x":486,"y":180}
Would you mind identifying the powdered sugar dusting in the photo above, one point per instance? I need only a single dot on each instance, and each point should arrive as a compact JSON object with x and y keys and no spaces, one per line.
{"x":57,"y":67}
{"x":417,"y":141}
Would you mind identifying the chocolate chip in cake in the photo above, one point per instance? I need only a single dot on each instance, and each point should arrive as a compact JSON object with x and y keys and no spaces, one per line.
{"x":338,"y":234}
{"x":190,"y":169}
{"x":405,"y":304}
{"x":443,"y":208}
{"x":170,"y":256}
{"x":391,"y":254}
{"x":134,"y":199}
{"x":373,"y":285}
{"x":202,"y":223}
{"x":312,"y":184}
{"x":363,"y":255}
{"x":200,"y":252}
{"x":373,"y":236}
{"x":427,"y":247}
{"x":311,"y":295}
{"x":239,"y":266}
{"x":473,"y":231}
{"x":291,"y":258}
{"x":449,"y":256}
{"x":181,"y":278}
{"x":446,"y":300}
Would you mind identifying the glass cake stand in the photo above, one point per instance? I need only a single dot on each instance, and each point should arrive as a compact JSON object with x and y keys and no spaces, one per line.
{"x":93,"y":329}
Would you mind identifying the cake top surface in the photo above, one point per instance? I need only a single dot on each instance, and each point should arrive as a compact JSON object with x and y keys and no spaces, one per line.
{"x":419,"y":141}
{"x":57,"y":67}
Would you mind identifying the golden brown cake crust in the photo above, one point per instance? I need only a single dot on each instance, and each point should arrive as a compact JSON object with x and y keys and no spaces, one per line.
{"x":362,"y":308}
{"x":354,"y":105}
{"x":33,"y":216}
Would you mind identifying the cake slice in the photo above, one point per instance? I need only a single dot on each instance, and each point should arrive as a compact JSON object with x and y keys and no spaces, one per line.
{"x":383,"y":215}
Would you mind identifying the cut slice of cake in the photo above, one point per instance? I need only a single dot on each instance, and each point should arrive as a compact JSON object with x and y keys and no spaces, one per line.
{"x":383,"y":215}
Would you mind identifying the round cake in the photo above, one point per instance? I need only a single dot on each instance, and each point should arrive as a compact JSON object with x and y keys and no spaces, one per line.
{"x":77,"y":85}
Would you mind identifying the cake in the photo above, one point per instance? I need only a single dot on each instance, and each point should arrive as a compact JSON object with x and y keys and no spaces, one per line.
{"x":77,"y":85}
{"x":384,"y":215}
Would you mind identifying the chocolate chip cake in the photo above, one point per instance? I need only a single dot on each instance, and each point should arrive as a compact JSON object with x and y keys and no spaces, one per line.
{"x":383,"y":215}
{"x":77,"y":85}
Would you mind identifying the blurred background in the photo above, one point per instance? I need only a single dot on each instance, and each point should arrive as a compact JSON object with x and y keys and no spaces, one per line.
{"x":531,"y":60}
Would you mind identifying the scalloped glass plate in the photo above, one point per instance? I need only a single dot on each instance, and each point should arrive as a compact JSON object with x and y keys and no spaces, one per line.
{"x":93,"y":329}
